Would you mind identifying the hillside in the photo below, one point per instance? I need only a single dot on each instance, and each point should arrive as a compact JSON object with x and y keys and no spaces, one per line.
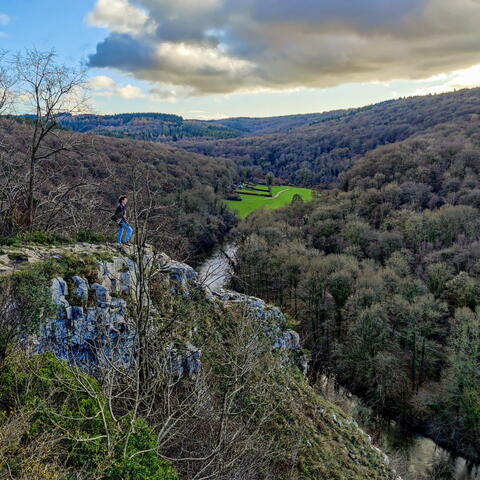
{"x":250,"y":126}
{"x":161,"y":127}
{"x":76,"y":188}
{"x":157,"y":127}
{"x":383,"y":276}
{"x":316,"y":152}
{"x":183,"y":382}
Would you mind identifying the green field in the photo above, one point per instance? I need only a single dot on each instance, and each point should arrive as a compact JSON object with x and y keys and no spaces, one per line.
{"x":281,"y":195}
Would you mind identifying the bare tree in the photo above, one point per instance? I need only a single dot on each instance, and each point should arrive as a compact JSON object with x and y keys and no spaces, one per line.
{"x":6,"y":83}
{"x":46,"y":89}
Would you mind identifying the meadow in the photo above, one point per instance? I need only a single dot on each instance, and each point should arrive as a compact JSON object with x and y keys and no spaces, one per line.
{"x":281,"y":195}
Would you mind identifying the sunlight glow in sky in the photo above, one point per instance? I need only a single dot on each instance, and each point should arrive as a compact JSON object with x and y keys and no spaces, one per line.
{"x":224,"y":58}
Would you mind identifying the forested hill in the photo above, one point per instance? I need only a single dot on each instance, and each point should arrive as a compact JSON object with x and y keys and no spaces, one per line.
{"x":157,"y":127}
{"x":383,"y":276}
{"x":305,"y":149}
{"x":315,"y":153}
{"x":162,"y":127}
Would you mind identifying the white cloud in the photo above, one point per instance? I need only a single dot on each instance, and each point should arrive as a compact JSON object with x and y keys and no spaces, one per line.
{"x":120,"y":16}
{"x":104,"y":86}
{"x":130,"y":92}
{"x":101,"y":82}
{"x":195,"y":58}
{"x":4,"y":19}
{"x":456,"y":80}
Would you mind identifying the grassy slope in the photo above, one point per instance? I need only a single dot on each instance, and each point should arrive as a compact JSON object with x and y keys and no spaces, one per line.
{"x":282,"y":195}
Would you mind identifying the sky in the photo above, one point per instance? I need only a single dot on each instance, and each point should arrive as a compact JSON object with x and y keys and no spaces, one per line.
{"x":210,"y":59}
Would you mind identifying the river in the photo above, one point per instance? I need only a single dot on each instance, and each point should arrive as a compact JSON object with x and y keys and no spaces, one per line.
{"x":216,"y":271}
{"x":414,"y":456}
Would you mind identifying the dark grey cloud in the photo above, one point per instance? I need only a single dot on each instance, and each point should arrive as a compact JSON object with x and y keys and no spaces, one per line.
{"x":360,"y":14}
{"x":181,"y":30}
{"x":122,"y":51}
{"x":222,"y":46}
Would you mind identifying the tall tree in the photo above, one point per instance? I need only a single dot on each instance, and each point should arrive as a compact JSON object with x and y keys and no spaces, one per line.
{"x":46,"y":89}
{"x":269,"y":178}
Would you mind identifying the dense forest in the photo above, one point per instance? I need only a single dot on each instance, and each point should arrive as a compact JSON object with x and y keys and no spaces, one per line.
{"x":382,"y":275}
{"x":77,"y":187}
{"x":318,"y":151}
{"x":155,"y":127}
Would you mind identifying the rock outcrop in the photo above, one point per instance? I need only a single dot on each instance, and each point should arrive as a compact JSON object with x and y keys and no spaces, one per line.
{"x":92,"y":325}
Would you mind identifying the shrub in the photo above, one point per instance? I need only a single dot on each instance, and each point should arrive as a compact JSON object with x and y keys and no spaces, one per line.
{"x":68,"y":405}
{"x":17,"y":257}
{"x":90,"y":237}
{"x":44,"y":238}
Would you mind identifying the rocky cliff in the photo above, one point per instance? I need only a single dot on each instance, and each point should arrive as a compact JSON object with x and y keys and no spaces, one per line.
{"x":91,"y":324}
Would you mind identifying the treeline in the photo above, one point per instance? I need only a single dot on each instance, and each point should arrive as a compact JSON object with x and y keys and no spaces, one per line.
{"x":383,"y":276}
{"x":265,"y":125}
{"x":155,"y":127}
{"x":162,"y":127}
{"x":317,"y":152}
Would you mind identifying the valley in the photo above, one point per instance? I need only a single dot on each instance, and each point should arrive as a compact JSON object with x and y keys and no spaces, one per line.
{"x":332,"y":330}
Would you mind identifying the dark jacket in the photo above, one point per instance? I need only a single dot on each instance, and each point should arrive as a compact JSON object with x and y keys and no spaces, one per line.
{"x":120,"y":213}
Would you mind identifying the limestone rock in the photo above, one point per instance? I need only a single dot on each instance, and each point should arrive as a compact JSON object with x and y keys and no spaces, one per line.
{"x":187,"y":362}
{"x":81,"y":287}
{"x":102,"y":295}
{"x":59,"y":290}
{"x":79,"y":333}
{"x":177,"y":271}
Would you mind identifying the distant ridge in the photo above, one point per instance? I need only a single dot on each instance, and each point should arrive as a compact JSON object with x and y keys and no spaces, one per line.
{"x":317,"y":151}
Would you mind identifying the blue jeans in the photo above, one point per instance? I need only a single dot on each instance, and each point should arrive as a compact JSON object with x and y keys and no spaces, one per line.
{"x":124,"y":227}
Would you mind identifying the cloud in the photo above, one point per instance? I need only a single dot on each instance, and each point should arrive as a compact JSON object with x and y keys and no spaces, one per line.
{"x":227,"y":46}
{"x":120,"y":16}
{"x":130,"y":92}
{"x":163,"y":94}
{"x":104,"y":86}
{"x":4,"y":19}
{"x":101,"y":82}
{"x":466,"y":78}
{"x":123,"y":52}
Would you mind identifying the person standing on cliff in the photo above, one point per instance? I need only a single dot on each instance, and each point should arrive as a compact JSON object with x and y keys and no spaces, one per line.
{"x":120,"y":217}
